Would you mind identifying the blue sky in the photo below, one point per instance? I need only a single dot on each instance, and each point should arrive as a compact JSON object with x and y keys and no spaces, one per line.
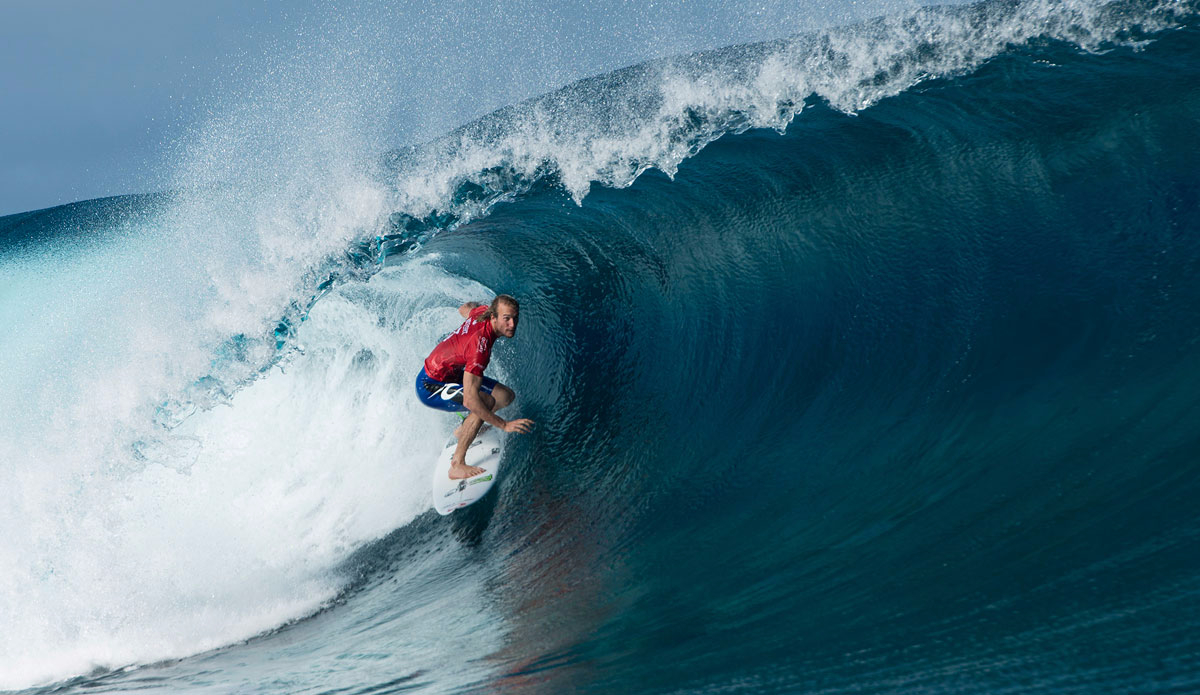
{"x":93,"y":91}
{"x":98,"y":94}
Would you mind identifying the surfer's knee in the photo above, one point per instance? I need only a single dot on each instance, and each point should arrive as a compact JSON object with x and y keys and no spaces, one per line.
{"x":503,"y":395}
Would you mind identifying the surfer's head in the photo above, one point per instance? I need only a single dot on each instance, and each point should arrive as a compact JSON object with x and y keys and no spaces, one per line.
{"x":504,"y":313}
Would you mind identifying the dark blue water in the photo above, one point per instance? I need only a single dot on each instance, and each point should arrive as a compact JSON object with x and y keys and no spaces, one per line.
{"x":897,"y":401}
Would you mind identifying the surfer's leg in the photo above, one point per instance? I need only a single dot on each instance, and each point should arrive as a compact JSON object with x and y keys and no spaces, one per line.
{"x":486,"y":388}
{"x":458,"y":467}
{"x":488,"y":401}
{"x":469,"y":428}
{"x":504,"y":396}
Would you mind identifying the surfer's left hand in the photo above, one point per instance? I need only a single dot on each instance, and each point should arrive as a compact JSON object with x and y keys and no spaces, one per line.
{"x":520,"y":426}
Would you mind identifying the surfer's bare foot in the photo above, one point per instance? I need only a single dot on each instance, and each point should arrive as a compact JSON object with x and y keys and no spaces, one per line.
{"x":458,"y":471}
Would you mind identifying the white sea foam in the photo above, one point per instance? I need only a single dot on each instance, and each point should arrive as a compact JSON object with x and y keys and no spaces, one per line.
{"x":231,"y":523}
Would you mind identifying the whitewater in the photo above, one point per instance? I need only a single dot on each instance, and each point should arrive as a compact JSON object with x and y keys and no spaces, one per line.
{"x":863,"y":360}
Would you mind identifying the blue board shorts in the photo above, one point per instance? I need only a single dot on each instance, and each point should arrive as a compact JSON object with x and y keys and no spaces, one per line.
{"x":446,"y":395}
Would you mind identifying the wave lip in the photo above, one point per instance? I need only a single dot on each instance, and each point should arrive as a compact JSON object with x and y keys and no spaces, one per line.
{"x":610,"y":129}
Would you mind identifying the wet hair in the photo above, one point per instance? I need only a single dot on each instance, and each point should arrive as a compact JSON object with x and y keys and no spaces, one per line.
{"x":495,"y":307}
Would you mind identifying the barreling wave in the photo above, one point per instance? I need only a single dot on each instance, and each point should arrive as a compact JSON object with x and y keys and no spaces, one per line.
{"x":862,"y":360}
{"x":610,"y":129}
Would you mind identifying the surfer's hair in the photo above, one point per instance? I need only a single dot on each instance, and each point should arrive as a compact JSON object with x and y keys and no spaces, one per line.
{"x":495,"y":307}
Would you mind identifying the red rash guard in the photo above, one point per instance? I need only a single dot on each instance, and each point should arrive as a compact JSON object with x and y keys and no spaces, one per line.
{"x":468,"y":349}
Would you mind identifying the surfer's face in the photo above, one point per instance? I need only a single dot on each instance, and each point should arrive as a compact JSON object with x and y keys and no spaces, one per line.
{"x":505,"y":321}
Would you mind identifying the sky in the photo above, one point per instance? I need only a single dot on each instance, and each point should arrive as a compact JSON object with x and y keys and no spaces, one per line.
{"x":100,"y":96}
{"x":93,"y":91}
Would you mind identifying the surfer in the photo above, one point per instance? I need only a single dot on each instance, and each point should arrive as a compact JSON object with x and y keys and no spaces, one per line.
{"x":452,"y":378}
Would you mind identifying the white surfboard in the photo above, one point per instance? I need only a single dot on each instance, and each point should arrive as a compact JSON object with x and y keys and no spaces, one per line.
{"x":484,"y":452}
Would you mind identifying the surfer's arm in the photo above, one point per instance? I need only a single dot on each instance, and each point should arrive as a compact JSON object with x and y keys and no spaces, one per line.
{"x":471,"y":399}
{"x":465,"y":309}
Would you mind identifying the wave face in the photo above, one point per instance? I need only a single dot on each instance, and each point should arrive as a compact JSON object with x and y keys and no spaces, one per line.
{"x":864,"y":361}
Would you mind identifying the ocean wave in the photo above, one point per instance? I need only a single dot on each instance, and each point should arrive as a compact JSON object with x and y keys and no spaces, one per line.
{"x":880,"y":299}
